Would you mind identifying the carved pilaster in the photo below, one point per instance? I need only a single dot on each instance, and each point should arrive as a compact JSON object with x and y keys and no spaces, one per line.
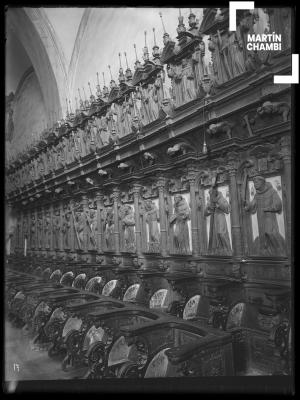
{"x":286,"y":158}
{"x":194,"y":225}
{"x":115,"y":196}
{"x":43,"y":211}
{"x":72,"y":229}
{"x":100,"y":207}
{"x":138,"y":236}
{"x":60,"y":238}
{"x":21,"y":245}
{"x":234,"y":202}
{"x":161,"y":182}
{"x":51,"y":226}
{"x":85,"y":204}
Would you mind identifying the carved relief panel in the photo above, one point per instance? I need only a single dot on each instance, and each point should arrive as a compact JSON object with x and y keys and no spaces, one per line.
{"x":127,"y":231}
{"x":47,"y":229}
{"x":218,"y":224}
{"x":267,"y":216}
{"x":91,"y":223}
{"x":56,"y":228}
{"x":150,"y":220}
{"x":180,"y":235}
{"x":108,"y":228}
{"x":66,"y":227}
{"x":40,"y":230}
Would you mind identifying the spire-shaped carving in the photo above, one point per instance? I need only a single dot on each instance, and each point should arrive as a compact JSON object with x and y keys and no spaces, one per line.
{"x":105,"y":88}
{"x":98,"y":92}
{"x":80,"y":101}
{"x":166,"y":36}
{"x":145,"y":49}
{"x":92,"y":97}
{"x":181,"y":27}
{"x":121,"y":72}
{"x":137,"y":63}
{"x":128,"y":73}
{"x":112,"y":82}
{"x":71,"y":112}
{"x":86,"y":102}
{"x":155,"y":48}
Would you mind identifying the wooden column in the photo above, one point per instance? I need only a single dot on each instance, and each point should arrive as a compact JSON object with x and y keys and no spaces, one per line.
{"x":21,"y":245}
{"x":36,"y":229}
{"x":43,"y":227}
{"x":116,"y":194}
{"x":100,"y":206}
{"x":287,"y":177}
{"x":235,"y":211}
{"x":51,"y":227}
{"x":85,"y":204}
{"x":72,"y":228}
{"x":194,"y":226}
{"x":60,"y":237}
{"x":138,"y":233}
{"x":161,"y":182}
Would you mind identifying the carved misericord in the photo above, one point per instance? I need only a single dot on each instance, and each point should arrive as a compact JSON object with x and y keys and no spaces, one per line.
{"x":266,"y":203}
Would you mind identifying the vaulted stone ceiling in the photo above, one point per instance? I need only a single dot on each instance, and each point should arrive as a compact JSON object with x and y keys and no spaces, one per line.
{"x":68,"y":46}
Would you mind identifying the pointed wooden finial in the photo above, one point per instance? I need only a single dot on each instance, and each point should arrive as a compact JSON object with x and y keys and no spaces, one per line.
{"x":110,"y":73}
{"x":162,"y":21}
{"x":136,"y":58}
{"x":126,"y":60}
{"x":154,"y":36}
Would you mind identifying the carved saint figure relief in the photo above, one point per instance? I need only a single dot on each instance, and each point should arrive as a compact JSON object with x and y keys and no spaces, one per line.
{"x":40,"y":231}
{"x":47,"y":230}
{"x":128,"y":224}
{"x":188,"y":81}
{"x":216,"y":208}
{"x":79,"y":225}
{"x":179,"y":220}
{"x":152,"y":221}
{"x":66,"y":226}
{"x":56,"y":229}
{"x":267,"y":205}
{"x":109,"y":227}
{"x":91,"y":219}
{"x":32,"y":232}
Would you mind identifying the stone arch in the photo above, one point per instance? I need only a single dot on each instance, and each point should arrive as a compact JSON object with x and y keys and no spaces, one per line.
{"x":36,"y":35}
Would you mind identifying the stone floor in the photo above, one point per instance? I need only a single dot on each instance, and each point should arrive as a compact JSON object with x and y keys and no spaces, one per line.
{"x":23,"y":362}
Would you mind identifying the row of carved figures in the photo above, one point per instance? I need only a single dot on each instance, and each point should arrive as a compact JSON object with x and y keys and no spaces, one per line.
{"x":99,"y":132}
{"x":56,"y":231}
{"x":191,"y":75}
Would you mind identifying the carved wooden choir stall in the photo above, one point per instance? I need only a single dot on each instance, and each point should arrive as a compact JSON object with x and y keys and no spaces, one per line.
{"x":154,"y":227}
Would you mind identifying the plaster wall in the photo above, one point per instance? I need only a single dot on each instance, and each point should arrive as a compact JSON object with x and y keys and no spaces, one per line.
{"x":29,"y":115}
